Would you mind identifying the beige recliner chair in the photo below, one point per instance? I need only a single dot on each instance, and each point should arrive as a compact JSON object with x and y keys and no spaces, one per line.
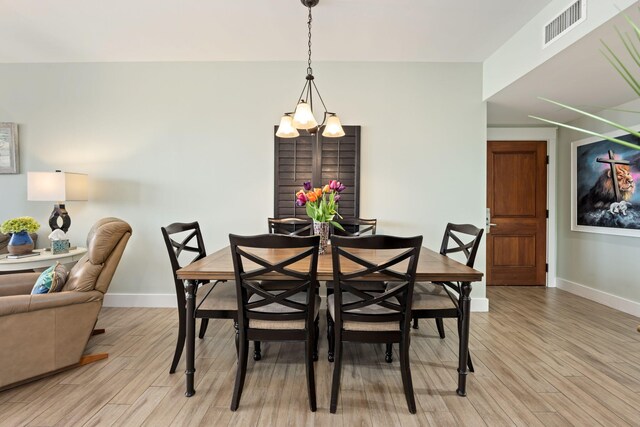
{"x":43,"y":334}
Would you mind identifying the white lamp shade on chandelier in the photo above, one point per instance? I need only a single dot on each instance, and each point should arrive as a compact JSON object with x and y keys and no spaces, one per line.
{"x":333,"y":128}
{"x":303,"y":117}
{"x":286,"y":129}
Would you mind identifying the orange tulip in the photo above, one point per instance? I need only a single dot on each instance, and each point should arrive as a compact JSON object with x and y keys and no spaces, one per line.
{"x":326,"y":189}
{"x":312,"y":196}
{"x":318,"y":192}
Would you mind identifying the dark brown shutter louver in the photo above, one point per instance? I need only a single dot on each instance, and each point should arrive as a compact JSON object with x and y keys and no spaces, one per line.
{"x":318,"y":160}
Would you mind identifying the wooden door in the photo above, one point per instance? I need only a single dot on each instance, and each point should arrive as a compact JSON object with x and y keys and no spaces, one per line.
{"x":517,"y":200}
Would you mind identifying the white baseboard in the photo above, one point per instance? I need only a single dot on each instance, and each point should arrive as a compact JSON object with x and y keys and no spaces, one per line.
{"x":169,"y":300}
{"x":610,"y":300}
{"x":140,"y":300}
{"x":480,"y":304}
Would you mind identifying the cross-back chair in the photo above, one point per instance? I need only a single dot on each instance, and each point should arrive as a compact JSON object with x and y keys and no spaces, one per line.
{"x":354,"y":227}
{"x":266,"y":314}
{"x":217,"y":300}
{"x":440,"y":300}
{"x":290,"y":226}
{"x":374,"y":317}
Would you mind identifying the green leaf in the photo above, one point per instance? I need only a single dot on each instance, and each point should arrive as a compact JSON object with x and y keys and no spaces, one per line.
{"x":588,"y":132}
{"x":593,"y":116}
{"x":310,"y":211}
{"x":337,"y":225}
{"x":621,"y":69}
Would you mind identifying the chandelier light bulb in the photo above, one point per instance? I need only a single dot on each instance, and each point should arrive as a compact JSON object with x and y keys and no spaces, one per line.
{"x":333,"y":128}
{"x":303,"y":117}
{"x":286,"y":129}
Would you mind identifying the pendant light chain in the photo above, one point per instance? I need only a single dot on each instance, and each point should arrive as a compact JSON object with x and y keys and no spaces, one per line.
{"x":309,"y":70}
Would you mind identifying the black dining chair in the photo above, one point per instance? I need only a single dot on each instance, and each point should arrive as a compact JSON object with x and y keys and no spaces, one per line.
{"x":354,"y":227}
{"x":217,"y":300}
{"x":373,"y":317}
{"x":290,"y":226}
{"x":440,"y":300}
{"x":276,"y":315}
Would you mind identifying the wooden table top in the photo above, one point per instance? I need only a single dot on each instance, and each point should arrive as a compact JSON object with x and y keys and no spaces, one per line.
{"x":431,"y":265}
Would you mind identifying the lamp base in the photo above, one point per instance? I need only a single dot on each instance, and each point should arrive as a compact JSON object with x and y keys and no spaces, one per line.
{"x":59,"y":211}
{"x":309,"y":3}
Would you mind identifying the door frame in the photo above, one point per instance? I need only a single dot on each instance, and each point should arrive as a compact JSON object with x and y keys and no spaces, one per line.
{"x":539,"y":134}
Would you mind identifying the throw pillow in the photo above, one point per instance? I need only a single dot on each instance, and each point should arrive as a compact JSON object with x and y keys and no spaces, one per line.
{"x":50,"y":280}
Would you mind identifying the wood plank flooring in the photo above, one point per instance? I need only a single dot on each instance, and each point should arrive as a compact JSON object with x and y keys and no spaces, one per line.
{"x":542,"y":356}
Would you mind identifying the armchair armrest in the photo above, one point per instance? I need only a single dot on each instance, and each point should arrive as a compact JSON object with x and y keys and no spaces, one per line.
{"x":26,"y":303}
{"x":17,"y":284}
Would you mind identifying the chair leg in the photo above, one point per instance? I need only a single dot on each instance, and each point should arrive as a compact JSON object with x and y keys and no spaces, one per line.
{"x":243,"y":354}
{"x":388,"y":355}
{"x":316,"y":337}
{"x":470,"y":363}
{"x":257,"y":353}
{"x":182,"y":334}
{"x":331,"y":339}
{"x":235,"y":326}
{"x":311,"y":382}
{"x":440,"y":325}
{"x":203,"y":327}
{"x":335,"y":386}
{"x":405,"y":370}
{"x":415,"y":323}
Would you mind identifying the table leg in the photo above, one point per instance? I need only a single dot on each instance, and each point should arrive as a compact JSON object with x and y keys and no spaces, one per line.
{"x":463,"y":353}
{"x":192,"y":288}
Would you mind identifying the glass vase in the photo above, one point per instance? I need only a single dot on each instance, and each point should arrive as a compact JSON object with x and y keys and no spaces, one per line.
{"x":322,"y":229}
{"x":20,"y":243}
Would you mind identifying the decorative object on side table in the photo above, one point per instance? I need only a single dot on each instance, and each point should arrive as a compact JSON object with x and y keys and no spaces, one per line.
{"x":321,"y":210}
{"x":9,"y":155}
{"x":57,"y":187}
{"x":20,"y":227}
{"x":59,"y":242}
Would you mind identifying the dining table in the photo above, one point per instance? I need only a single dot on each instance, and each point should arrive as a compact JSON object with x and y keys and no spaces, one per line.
{"x":432,"y":267}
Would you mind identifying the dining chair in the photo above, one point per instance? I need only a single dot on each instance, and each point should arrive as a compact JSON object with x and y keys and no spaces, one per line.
{"x":373,"y":317}
{"x":265,"y":314}
{"x":217,"y":300}
{"x":290,"y":226}
{"x":354,"y":227}
{"x":439,"y":300}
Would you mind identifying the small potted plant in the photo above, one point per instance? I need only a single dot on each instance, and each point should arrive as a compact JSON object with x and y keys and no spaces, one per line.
{"x":322,"y":207}
{"x":19,"y":228}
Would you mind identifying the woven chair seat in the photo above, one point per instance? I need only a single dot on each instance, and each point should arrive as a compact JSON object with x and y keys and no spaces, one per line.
{"x":431,"y":296}
{"x":280,"y":308}
{"x":348,"y":298}
{"x":221,"y":298}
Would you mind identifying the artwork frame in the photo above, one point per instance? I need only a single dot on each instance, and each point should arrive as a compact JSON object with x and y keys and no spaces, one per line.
{"x":9,"y":152}
{"x":591,"y":159}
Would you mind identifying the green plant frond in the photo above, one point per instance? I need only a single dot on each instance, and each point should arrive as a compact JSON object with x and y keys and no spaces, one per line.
{"x":588,"y":132}
{"x":337,"y":225}
{"x":629,"y":79}
{"x":593,"y":116}
{"x":635,"y":49}
{"x":628,"y":45}
{"x":633,"y":25}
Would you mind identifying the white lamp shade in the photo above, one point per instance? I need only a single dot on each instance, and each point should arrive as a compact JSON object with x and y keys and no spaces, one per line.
{"x":286,"y":129}
{"x":57,"y":186}
{"x":333,"y":128}
{"x":303,"y":117}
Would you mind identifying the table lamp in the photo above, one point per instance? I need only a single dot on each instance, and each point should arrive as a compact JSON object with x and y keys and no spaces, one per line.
{"x":57,"y":187}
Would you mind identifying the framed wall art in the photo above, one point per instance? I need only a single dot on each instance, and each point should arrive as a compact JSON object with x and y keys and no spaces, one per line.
{"x":604,"y":177}
{"x":9,"y":158}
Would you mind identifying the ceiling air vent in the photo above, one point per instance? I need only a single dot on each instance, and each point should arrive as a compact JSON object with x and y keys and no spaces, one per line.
{"x":560,"y":25}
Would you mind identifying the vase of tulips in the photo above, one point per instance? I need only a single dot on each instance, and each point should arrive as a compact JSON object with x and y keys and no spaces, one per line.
{"x":321,"y":205}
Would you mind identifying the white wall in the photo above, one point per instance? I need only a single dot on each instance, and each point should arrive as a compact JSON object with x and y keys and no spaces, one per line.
{"x":523,"y":51}
{"x":165,"y":142}
{"x":600,"y":267}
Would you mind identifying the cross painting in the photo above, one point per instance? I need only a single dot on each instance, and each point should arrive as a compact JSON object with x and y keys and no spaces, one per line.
{"x":604,"y":179}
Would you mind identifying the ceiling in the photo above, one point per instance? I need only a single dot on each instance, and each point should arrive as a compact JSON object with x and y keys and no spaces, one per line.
{"x":579,"y":76}
{"x":257,"y":30}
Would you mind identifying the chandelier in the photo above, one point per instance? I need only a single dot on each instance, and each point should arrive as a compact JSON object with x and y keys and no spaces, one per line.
{"x":302,"y":118}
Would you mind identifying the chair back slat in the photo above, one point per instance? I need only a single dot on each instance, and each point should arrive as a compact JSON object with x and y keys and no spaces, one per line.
{"x":181,"y":238}
{"x":399,"y":269}
{"x":354,"y":227}
{"x":294,"y":250}
{"x":456,"y":233}
{"x":290,"y":226}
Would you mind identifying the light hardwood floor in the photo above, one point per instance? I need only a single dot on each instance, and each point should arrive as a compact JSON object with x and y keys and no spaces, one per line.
{"x":542,"y":357}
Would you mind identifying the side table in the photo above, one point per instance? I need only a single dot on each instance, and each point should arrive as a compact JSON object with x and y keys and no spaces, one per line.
{"x":45,"y":259}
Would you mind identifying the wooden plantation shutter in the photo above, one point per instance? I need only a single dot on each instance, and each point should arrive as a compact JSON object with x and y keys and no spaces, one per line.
{"x":317,"y":159}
